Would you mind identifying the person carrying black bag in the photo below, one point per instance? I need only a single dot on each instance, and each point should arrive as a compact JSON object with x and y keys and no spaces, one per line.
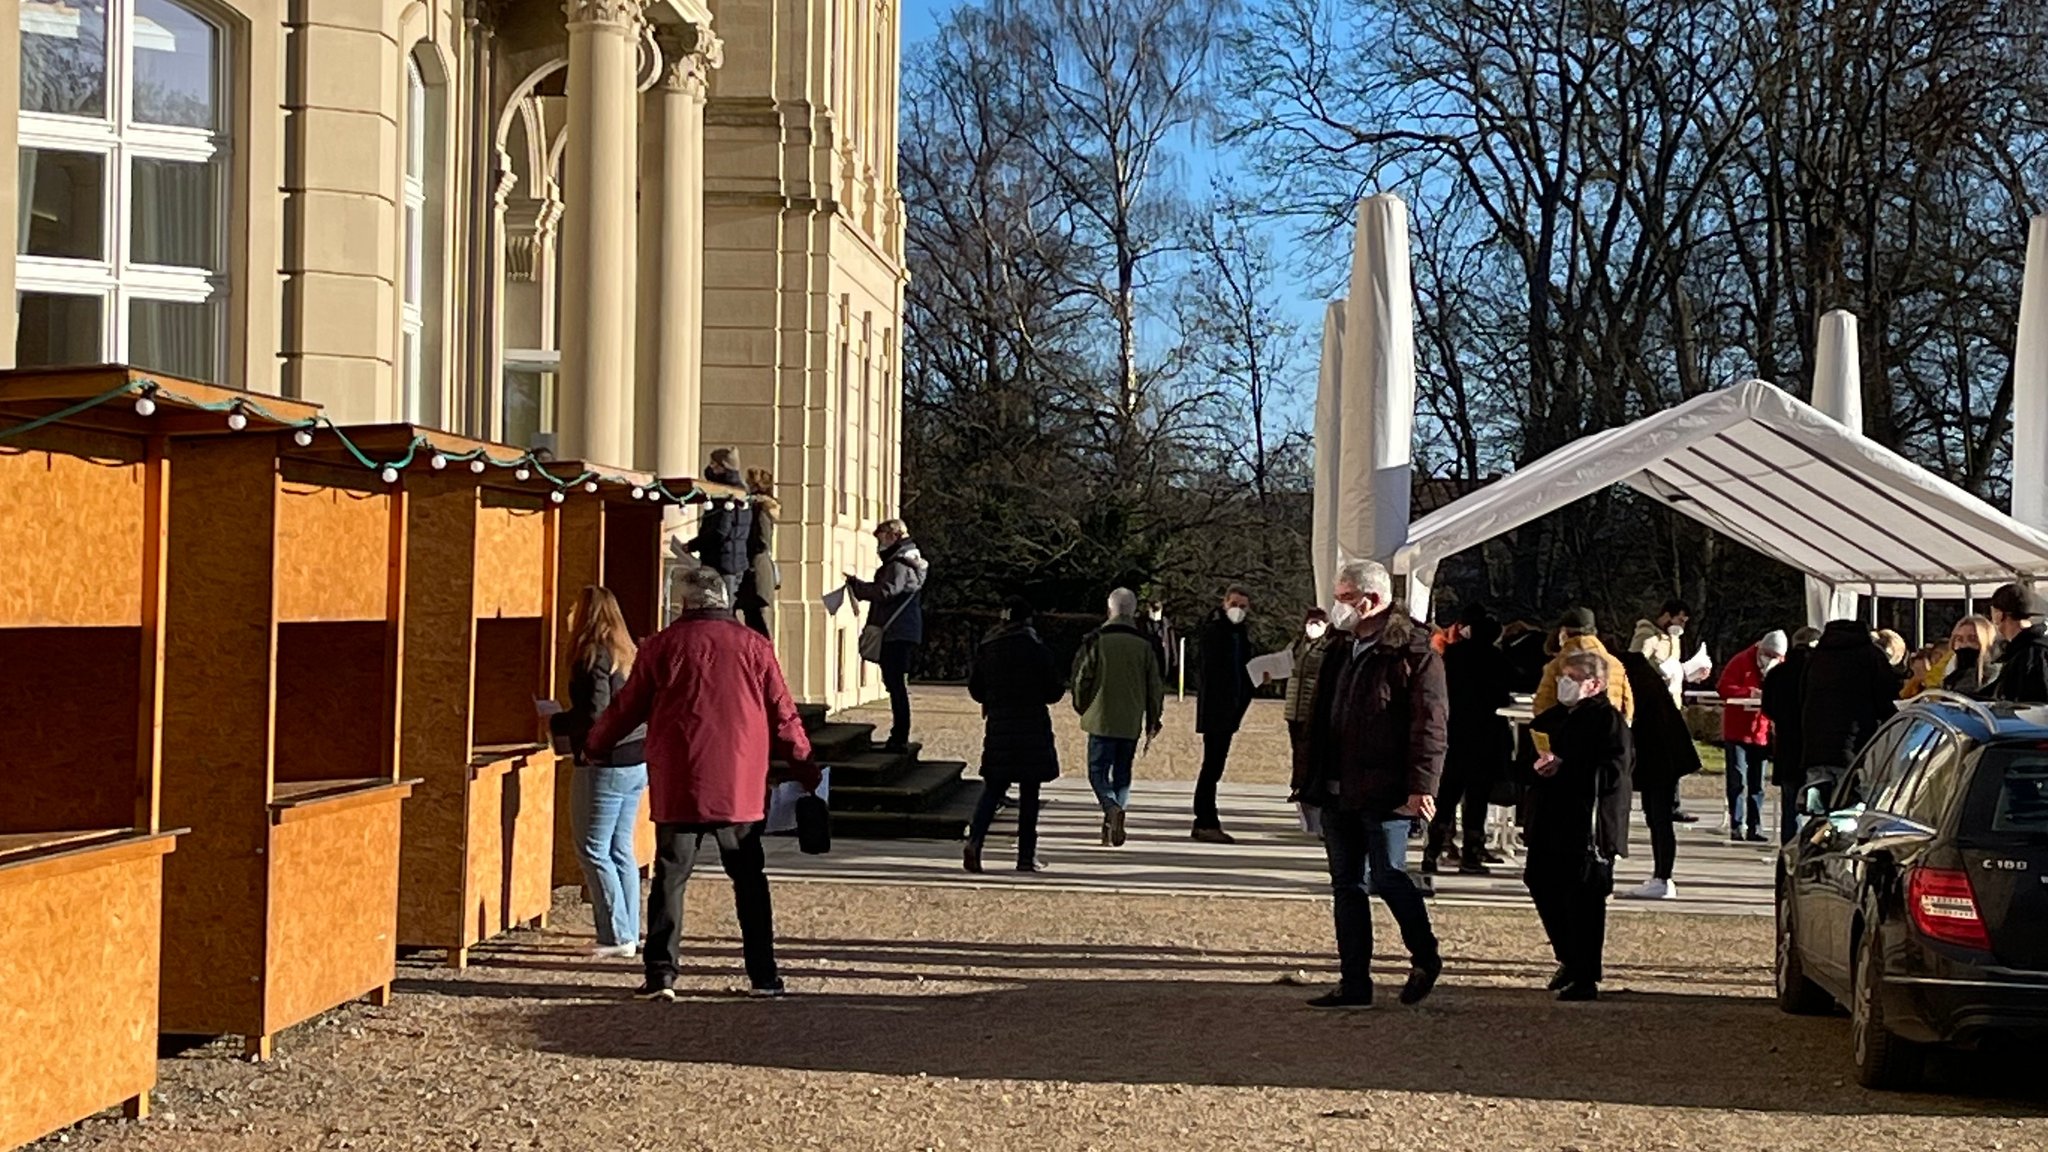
{"x":1578,"y":822}
{"x":1664,"y":755}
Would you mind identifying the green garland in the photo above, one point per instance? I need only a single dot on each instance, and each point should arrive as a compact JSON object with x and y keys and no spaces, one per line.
{"x":305,"y":428}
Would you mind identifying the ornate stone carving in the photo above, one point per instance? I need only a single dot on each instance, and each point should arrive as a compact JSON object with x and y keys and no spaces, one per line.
{"x":617,"y":13}
{"x":691,"y":52}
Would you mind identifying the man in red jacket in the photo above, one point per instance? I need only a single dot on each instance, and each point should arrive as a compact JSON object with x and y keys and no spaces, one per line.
{"x":715,"y":705}
{"x":1746,"y":734}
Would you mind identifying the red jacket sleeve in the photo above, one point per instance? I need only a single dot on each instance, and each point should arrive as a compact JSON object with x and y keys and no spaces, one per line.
{"x":630,"y":708}
{"x":786,"y":734}
{"x":1429,"y":713}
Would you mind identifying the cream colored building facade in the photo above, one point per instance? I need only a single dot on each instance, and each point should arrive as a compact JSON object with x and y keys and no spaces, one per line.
{"x":626,"y":231}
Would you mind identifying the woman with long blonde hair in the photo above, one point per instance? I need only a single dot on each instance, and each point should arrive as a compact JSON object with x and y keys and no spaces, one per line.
{"x":1969,"y":666}
{"x":605,"y":795}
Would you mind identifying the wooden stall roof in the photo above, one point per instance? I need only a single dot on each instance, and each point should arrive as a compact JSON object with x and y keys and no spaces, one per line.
{"x":183,"y":408}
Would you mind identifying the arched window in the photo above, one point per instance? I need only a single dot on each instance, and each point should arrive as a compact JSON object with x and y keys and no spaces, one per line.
{"x":420,"y":288}
{"x":121,"y":206}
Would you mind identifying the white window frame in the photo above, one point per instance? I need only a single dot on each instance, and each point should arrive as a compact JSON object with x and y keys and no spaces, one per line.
{"x":119,"y":140}
{"x":413,"y":228}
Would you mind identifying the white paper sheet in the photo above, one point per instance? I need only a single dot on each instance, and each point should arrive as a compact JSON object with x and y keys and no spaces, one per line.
{"x":1696,"y":669}
{"x":834,"y":600}
{"x":1273,"y":665}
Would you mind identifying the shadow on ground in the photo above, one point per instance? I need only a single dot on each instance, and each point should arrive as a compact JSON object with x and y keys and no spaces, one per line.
{"x":1045,"y":1016}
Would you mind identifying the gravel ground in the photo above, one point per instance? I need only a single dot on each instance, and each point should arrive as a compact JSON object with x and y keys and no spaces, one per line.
{"x":948,"y":724}
{"x":952,"y":1017}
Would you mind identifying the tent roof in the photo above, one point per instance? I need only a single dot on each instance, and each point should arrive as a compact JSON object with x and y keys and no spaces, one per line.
{"x":1764,"y":468}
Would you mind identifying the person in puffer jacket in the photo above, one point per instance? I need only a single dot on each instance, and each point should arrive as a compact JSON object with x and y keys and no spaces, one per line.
{"x":895,"y":605}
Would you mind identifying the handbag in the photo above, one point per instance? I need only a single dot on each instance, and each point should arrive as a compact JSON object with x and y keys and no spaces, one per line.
{"x":813,"y":825}
{"x":871,"y":635}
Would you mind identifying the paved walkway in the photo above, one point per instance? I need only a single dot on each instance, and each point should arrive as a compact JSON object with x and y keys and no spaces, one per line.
{"x":1272,"y":857}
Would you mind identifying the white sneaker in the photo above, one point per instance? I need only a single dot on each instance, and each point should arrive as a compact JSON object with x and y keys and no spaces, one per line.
{"x":613,"y":951}
{"x":1653,"y":889}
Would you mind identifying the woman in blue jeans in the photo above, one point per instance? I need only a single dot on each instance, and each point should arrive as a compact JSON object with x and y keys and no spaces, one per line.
{"x":605,"y":795}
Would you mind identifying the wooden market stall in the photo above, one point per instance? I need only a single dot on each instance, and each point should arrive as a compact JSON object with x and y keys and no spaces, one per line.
{"x":613,"y":539}
{"x":280,"y":735}
{"x":84,"y":508}
{"x":476,"y":649}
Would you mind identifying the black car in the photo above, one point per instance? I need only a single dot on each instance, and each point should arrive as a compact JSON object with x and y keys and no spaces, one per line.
{"x":1916,"y":893}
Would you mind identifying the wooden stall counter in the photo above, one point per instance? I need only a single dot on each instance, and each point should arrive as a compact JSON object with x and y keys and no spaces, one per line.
{"x":80,"y":926}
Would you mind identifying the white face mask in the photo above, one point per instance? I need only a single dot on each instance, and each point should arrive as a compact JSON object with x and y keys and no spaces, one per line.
{"x":1156,"y":613}
{"x":1316,"y":629}
{"x":1675,"y":631}
{"x":1236,"y":615}
{"x":1570,"y":691}
{"x":1343,"y":617}
{"x":1764,"y":663}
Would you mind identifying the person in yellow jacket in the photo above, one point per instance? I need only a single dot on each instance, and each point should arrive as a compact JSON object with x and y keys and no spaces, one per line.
{"x":1576,"y":633}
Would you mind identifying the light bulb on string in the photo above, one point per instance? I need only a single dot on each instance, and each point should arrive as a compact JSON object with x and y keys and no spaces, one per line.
{"x":237,"y":420}
{"x":145,"y":404}
{"x":555,"y":497}
{"x":639,"y":493}
{"x":590,"y":486}
{"x":523,"y":474}
{"x":438,"y":461}
{"x":477,"y":466}
{"x":389,"y":475}
{"x":302,"y":438}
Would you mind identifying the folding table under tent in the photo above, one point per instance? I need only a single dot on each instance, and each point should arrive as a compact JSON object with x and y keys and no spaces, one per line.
{"x":1766,"y":469}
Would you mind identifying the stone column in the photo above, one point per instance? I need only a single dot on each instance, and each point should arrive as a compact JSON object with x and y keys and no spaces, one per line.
{"x":597,"y":231}
{"x":691,"y":52}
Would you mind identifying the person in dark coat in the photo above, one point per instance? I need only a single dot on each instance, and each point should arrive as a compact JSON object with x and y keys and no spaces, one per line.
{"x":1849,"y":692}
{"x":1015,"y":680}
{"x":1784,"y":689}
{"x":723,"y":535}
{"x":2016,"y":614}
{"x":1578,"y":822}
{"x":1225,"y":693}
{"x":1664,"y":755}
{"x":1482,"y":742}
{"x":1158,"y":630}
{"x":757,"y":590}
{"x":895,"y":599}
{"x":1376,"y":756}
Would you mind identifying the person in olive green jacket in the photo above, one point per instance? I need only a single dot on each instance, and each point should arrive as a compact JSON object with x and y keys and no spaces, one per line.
{"x":1120,"y":693}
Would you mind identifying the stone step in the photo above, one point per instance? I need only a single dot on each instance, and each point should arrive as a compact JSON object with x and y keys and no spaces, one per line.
{"x":916,"y":788}
{"x":945,"y":818}
{"x":813,"y":714}
{"x":832,"y":743}
{"x":869,"y":766}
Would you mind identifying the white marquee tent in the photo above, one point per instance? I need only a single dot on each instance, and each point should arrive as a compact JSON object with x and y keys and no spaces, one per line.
{"x":1774,"y":473}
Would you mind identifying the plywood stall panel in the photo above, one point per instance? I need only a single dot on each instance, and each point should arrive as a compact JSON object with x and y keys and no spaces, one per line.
{"x":70,"y":697}
{"x":71,"y":531}
{"x":331,"y":684}
{"x":333,"y":919}
{"x":434,"y":710}
{"x":511,"y":672}
{"x":333,"y":553}
{"x":528,"y":817}
{"x":219,"y":647}
{"x":78,"y":983}
{"x":512,"y":558}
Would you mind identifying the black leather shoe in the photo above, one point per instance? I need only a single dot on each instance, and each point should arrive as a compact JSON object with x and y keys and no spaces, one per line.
{"x":1559,"y":981}
{"x":1421,"y":980}
{"x":1579,"y":993}
{"x":971,"y":858}
{"x":1342,"y":999}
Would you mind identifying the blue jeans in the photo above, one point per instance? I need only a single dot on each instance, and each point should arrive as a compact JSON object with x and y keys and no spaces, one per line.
{"x":1367,"y":853}
{"x":1745,"y":786}
{"x":1109,"y":770}
{"x":604,"y":806}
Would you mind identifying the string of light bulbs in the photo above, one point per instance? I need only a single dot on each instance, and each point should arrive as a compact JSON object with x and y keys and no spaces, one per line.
{"x":523,"y":466}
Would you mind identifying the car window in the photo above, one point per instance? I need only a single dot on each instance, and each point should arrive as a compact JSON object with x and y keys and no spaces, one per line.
{"x":1933,"y":783}
{"x":1892,"y":782}
{"x":1873,"y":770}
{"x":2009,"y":795}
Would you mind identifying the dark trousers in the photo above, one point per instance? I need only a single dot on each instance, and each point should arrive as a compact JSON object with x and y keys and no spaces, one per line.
{"x":675,"y":856}
{"x":992,"y":793}
{"x":1215,"y":755}
{"x":1461,"y":800}
{"x":755,"y":616}
{"x":1367,"y":852}
{"x":1571,"y":900}
{"x":1660,"y":802}
{"x":896,"y":656}
{"x":1791,"y":794}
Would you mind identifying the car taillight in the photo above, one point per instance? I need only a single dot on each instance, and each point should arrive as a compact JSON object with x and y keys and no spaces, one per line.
{"x":1944,"y":908}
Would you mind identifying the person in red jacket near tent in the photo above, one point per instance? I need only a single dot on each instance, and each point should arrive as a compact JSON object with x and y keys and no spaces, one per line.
{"x":712,"y":696}
{"x":1746,"y":734}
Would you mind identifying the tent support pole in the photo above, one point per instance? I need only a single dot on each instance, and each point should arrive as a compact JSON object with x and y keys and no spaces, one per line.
{"x":1919,"y":617}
